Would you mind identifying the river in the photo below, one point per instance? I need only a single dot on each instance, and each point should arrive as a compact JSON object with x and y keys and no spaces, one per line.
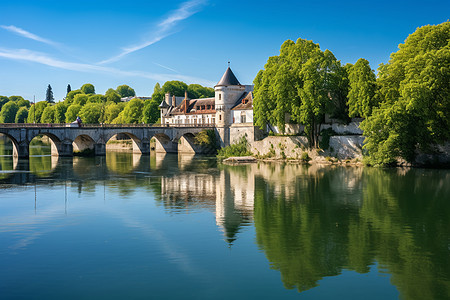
{"x":127,"y":226}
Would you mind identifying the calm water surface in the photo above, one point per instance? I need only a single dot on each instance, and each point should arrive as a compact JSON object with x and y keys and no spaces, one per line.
{"x":185,"y":227}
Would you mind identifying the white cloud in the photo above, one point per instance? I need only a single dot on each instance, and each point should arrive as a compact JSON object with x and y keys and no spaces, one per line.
{"x":36,"y":57}
{"x":164,"y":28}
{"x":29,"y":35}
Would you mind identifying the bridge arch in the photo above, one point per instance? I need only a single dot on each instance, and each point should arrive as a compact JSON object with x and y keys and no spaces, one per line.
{"x":15,"y":144}
{"x":164,"y":144}
{"x":55,"y":143}
{"x":141,"y":146}
{"x":83,"y":144}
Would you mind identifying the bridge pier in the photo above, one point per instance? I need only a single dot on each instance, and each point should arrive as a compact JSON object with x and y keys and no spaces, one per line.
{"x":100,"y":149}
{"x":65,"y":149}
{"x":143,"y":147}
{"x":20,"y":150}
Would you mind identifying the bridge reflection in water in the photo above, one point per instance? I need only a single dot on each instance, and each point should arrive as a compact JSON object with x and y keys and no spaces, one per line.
{"x":311,"y":222}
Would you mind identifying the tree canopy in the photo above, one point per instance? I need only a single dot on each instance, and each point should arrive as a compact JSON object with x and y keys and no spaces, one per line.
{"x":88,"y":88}
{"x":414,"y":91}
{"x":125,"y":91}
{"x":361,"y":95}
{"x":8,"y":112}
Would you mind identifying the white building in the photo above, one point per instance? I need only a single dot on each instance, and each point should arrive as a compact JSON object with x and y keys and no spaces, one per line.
{"x":232,"y":104}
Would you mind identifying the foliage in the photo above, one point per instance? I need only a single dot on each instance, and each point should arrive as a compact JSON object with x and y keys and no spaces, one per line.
{"x":158,"y":94}
{"x":197,"y":91}
{"x":361,"y":95}
{"x":112,"y":95}
{"x":49,"y":95}
{"x":71,"y":95}
{"x":132,"y":112}
{"x":16,"y":98}
{"x":21,"y":115}
{"x":8,"y":112}
{"x":80,"y":99}
{"x":72,"y":113}
{"x":125,"y":91}
{"x":60,"y":112}
{"x":305,"y":157}
{"x":91,"y":113}
{"x":150,"y":113}
{"x":88,"y":88}
{"x":300,"y":85}
{"x":35,"y":113}
{"x":48,"y":116}
{"x":23,"y":103}
{"x":112,"y":111}
{"x":96,"y":99}
{"x":69,"y":88}
{"x":3,"y":101}
{"x":238,"y":149}
{"x":206,"y":138}
{"x":415,"y":93}
{"x":174,"y":87}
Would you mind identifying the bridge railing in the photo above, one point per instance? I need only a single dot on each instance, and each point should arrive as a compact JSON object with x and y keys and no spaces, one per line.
{"x":66,"y":125}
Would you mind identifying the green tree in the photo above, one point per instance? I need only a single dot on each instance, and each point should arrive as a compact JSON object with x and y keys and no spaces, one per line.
{"x":197,"y":91}
{"x":174,"y":87}
{"x":48,"y":116}
{"x":112,"y":95}
{"x":150,"y":113}
{"x":16,"y":98}
{"x":112,"y":111}
{"x":71,"y":95}
{"x":91,"y":113}
{"x":21,"y":115}
{"x":96,"y":99}
{"x":80,"y":99}
{"x":72,"y":112}
{"x":35,"y":112}
{"x":132,"y":113}
{"x":8,"y":112}
{"x":125,"y":91}
{"x":158,"y":94}
{"x":69,"y":89}
{"x":3,"y":101}
{"x":23,"y":103}
{"x":60,"y":112}
{"x":362,"y":88}
{"x":49,"y":95}
{"x":119,"y":119}
{"x":415,"y":93}
{"x":88,"y":88}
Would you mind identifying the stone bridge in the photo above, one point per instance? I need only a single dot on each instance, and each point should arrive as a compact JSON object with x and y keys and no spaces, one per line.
{"x":65,"y":140}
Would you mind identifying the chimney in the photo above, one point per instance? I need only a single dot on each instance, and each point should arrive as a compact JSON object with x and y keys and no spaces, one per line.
{"x":186,"y":102}
{"x":174,"y":101}
{"x":167,"y":98}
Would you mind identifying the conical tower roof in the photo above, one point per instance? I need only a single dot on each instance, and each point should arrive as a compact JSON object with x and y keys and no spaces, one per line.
{"x":228,"y":78}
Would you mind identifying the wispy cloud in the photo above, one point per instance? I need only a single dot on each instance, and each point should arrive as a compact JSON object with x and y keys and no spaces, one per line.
{"x":29,"y":35}
{"x":165,"y":67}
{"x":164,"y":28}
{"x":37,"y":57}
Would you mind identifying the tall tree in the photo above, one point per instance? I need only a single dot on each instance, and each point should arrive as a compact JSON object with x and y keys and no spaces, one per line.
{"x":8,"y":112}
{"x":112,"y":96}
{"x":72,"y":112}
{"x":362,"y":88}
{"x":158,"y":94}
{"x":88,"y":88}
{"x":125,"y":91}
{"x":21,"y":115}
{"x":36,"y":110}
{"x":48,"y":115}
{"x":150,"y":112}
{"x":49,"y":95}
{"x":60,"y":112}
{"x":415,"y":93}
{"x":174,"y":87}
{"x":132,"y":113}
{"x":69,"y":89}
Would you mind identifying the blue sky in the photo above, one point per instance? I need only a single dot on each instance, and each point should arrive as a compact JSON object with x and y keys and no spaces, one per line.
{"x":139,"y":43}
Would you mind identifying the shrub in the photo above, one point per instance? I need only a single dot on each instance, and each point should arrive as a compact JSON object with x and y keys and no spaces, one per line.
{"x":238,"y":149}
{"x":305,"y":157}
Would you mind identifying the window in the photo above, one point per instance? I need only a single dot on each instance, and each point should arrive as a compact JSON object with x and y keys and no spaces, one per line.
{"x":243,"y":118}
{"x":220,"y":96}
{"x":213,"y":120}
{"x":208,"y":107}
{"x":220,"y":117}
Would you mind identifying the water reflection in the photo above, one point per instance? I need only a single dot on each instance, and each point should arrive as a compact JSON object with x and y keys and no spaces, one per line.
{"x":311,"y":222}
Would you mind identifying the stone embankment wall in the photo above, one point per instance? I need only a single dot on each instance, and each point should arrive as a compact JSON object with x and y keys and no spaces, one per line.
{"x":292,"y":147}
